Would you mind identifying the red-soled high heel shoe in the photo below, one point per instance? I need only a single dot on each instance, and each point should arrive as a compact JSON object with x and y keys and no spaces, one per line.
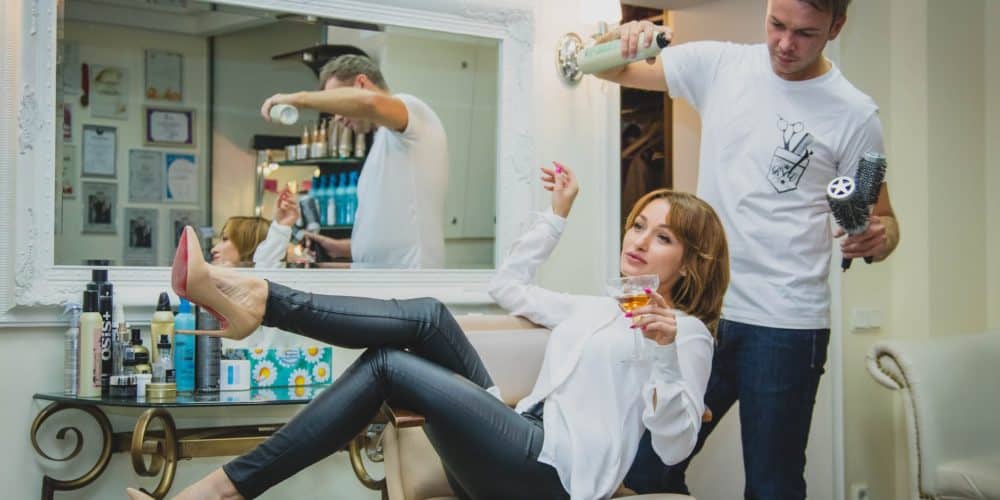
{"x":191,"y":278}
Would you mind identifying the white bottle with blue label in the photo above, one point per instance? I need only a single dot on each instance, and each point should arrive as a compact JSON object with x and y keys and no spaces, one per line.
{"x":184,"y":347}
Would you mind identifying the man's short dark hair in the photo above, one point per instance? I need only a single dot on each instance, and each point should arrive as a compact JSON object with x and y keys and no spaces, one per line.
{"x":347,"y":67}
{"x":837,"y":7}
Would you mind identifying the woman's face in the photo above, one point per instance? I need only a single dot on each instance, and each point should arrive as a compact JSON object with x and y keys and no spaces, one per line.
{"x":649,"y":247}
{"x":224,"y":253}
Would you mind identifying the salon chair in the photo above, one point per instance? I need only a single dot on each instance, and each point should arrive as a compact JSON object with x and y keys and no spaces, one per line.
{"x":951,"y":394}
{"x":512,"y":349}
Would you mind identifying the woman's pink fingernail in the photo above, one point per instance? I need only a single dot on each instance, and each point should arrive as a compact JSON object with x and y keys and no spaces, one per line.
{"x":628,"y":315}
{"x":648,"y":291}
{"x":559,"y":167}
{"x":643,"y":327}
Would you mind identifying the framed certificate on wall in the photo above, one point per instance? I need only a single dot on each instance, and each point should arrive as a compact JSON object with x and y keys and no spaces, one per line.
{"x":170,"y":127}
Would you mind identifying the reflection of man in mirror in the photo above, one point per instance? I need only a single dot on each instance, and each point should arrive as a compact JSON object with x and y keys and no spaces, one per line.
{"x":401,"y":191}
{"x":140,"y":233}
{"x":99,"y":209}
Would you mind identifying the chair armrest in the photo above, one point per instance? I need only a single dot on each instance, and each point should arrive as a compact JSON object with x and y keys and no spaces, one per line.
{"x":401,"y":418}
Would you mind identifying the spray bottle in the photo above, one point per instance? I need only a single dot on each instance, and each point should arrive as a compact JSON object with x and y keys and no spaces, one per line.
{"x":184,"y":347}
{"x":90,"y":338}
{"x":162,"y":324}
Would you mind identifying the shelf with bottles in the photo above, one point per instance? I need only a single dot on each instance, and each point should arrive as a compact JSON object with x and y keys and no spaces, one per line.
{"x":335,"y":198}
{"x":332,"y":161}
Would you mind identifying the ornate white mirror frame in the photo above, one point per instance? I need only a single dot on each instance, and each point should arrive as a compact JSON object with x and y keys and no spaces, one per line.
{"x":28,"y":276}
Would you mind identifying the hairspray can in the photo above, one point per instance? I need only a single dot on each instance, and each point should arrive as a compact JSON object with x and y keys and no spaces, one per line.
{"x":71,"y":365}
{"x":208,"y":355}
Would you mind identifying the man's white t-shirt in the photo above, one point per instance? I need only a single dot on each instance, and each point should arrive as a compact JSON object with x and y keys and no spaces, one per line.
{"x":401,"y":194}
{"x":769,"y":147}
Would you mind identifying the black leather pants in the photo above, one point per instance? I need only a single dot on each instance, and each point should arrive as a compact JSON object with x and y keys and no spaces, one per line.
{"x":417,"y":358}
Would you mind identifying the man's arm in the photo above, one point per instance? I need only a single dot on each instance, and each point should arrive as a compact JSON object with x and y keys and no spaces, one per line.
{"x":646,"y":75}
{"x":332,"y":247}
{"x":882,"y":235}
{"x":352,"y":102}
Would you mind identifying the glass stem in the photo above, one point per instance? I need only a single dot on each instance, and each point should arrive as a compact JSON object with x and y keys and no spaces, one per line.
{"x":637,"y":344}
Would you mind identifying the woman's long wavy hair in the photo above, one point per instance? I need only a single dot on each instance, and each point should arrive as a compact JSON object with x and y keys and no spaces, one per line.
{"x":706,"y":253}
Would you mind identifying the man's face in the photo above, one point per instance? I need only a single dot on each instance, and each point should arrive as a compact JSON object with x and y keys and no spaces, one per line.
{"x":357,"y":125}
{"x":797,"y":33}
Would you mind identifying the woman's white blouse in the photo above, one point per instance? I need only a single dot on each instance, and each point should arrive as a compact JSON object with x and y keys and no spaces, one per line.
{"x":596,"y":407}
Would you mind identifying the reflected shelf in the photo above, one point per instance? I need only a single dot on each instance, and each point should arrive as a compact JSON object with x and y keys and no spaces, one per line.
{"x":320,"y":162}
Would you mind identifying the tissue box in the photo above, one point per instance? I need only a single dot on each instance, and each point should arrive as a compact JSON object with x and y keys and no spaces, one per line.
{"x":294,"y":367}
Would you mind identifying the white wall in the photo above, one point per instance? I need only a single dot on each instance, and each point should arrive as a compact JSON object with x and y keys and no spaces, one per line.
{"x":992,"y":184}
{"x":104,"y":44}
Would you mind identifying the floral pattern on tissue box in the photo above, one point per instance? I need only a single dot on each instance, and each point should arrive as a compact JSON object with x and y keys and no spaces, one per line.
{"x":293,"y":367}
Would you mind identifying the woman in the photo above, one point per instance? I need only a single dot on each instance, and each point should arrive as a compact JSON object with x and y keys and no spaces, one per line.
{"x":256,"y":241}
{"x":574,"y":436}
{"x":240,"y":237}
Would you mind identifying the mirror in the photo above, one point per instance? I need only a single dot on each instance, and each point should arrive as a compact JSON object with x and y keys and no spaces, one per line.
{"x":161,"y":127}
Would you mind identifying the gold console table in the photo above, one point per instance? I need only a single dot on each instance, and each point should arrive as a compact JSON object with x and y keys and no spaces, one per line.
{"x":168,"y":444}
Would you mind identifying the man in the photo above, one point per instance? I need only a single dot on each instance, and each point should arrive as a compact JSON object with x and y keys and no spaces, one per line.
{"x":779,"y":122}
{"x":403,"y":183}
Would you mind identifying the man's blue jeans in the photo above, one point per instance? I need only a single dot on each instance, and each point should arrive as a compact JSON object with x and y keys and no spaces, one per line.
{"x":774,"y":373}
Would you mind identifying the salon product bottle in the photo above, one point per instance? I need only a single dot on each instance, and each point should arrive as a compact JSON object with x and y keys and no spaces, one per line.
{"x":285,"y":114}
{"x":345,"y":142}
{"x":163,"y":367}
{"x":317,"y":192}
{"x":120,"y":341}
{"x":330,"y":208}
{"x":71,"y":352}
{"x":317,"y":143}
{"x":208,"y":355}
{"x":359,"y":145}
{"x":90,"y":344}
{"x":184,"y":347}
{"x":105,"y":305}
{"x":604,"y":56}
{"x":352,"y":197}
{"x":162,"y":323}
{"x":332,"y":137}
{"x":139,"y":353}
{"x":340,"y":200}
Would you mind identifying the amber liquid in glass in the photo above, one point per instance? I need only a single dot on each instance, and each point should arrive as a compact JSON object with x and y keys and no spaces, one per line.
{"x":628,"y":303}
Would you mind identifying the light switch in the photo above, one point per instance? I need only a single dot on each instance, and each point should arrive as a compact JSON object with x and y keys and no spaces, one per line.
{"x":865,"y":319}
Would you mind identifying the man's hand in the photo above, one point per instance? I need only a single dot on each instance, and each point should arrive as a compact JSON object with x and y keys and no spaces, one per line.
{"x":629,"y":34}
{"x":286,"y":208}
{"x":265,"y":109}
{"x":332,"y":247}
{"x":871,"y":243}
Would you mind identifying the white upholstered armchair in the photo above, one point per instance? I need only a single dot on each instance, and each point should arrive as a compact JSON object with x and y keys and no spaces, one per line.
{"x":951,"y":393}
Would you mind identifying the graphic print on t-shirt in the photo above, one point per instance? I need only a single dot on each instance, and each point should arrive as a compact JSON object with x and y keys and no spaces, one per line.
{"x":791,"y":158}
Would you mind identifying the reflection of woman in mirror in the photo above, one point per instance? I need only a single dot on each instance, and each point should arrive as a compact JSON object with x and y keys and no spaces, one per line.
{"x":405,"y":177}
{"x":240,"y":238}
{"x":577,"y":432}
{"x":271,"y":252}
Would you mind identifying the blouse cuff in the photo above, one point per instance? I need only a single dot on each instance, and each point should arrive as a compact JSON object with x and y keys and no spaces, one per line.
{"x":666,"y":365}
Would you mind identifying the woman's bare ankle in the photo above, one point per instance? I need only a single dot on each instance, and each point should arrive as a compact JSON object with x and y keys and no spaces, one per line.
{"x":215,"y":486}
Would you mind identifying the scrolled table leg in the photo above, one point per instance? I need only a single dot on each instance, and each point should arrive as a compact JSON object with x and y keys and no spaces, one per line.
{"x":163,"y":451}
{"x":358,"y":444}
{"x":51,"y":485}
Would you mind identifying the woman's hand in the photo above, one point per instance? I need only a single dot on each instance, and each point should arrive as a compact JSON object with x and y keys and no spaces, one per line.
{"x":657,"y":321}
{"x":562,"y":182}
{"x":286,"y":208}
